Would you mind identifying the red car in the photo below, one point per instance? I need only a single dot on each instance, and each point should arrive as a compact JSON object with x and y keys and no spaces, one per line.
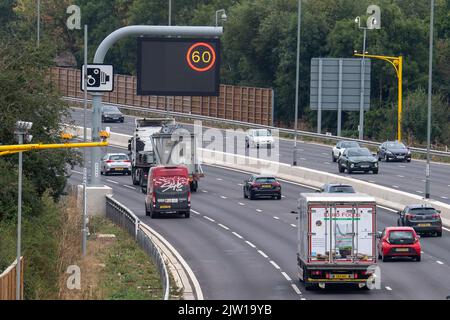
{"x":398,"y":242}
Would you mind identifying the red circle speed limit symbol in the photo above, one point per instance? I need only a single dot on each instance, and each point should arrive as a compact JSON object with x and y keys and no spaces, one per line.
{"x":201,"y":57}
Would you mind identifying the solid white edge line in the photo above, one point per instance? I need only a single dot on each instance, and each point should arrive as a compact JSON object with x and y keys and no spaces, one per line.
{"x":286,"y":276}
{"x":263,"y":254}
{"x":275,"y":265}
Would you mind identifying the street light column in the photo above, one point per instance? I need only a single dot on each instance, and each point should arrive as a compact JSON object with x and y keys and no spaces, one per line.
{"x":430,"y":80}
{"x":19,"y":223}
{"x":361,"y":102}
{"x":299,"y":18}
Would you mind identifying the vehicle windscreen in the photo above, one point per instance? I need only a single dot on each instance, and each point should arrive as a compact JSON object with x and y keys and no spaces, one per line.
{"x":263,"y":133}
{"x":118,"y":157}
{"x":359,"y":152}
{"x":266,"y":180}
{"x":401,"y":237}
{"x":395,"y":145}
{"x":342,"y":189}
{"x":423,"y":211}
{"x":111,"y":109}
{"x":350,"y":144}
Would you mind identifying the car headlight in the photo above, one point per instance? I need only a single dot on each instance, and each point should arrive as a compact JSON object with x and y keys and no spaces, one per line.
{"x":388,"y":152}
{"x":375,"y":164}
{"x":352,"y":165}
{"x":409,"y":151}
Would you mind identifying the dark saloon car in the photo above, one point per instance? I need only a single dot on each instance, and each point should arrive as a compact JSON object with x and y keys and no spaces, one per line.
{"x":337,"y":188}
{"x":423,"y":218}
{"x":357,"y":159}
{"x":262,"y":186}
{"x":112,"y":114}
{"x":394,"y":151}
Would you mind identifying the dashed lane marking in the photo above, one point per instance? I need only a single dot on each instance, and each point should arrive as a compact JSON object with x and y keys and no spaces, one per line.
{"x":276,"y":218}
{"x":112,"y":181}
{"x":296,"y":289}
{"x":208,"y":218}
{"x":129,"y":187}
{"x":274,"y":264}
{"x":293,"y":225}
{"x":440,"y":262}
{"x":223,"y":197}
{"x":286,"y":276}
{"x":237,"y":235}
{"x":250,"y":244}
{"x":258,"y":210}
{"x":262,"y":253}
{"x":241,"y":204}
{"x":223,"y":226}
{"x":388,"y":288}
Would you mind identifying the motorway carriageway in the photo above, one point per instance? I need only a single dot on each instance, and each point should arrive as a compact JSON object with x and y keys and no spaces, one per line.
{"x":408,"y":177}
{"x":244,"y":249}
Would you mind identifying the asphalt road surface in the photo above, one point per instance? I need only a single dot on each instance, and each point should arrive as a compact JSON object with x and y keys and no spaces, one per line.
{"x":244,"y":249}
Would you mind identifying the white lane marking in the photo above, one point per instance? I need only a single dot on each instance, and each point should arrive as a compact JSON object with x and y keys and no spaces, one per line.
{"x":237,"y":235}
{"x":242,"y":204}
{"x":258,"y":210}
{"x":402,"y":166}
{"x":419,"y":192}
{"x":219,"y":179}
{"x":276,"y":218}
{"x":78,"y":172}
{"x":444,"y":197}
{"x":195,"y":212}
{"x":388,"y":288}
{"x":275,"y":265}
{"x":400,"y":176}
{"x":302,"y":159}
{"x":250,"y":244}
{"x":283,"y":196}
{"x":296,"y":289}
{"x":223,"y":226}
{"x":262,"y":253}
{"x":440,"y":262}
{"x":371,"y":181}
{"x":112,"y":181}
{"x":327,"y":162}
{"x":208,"y":218}
{"x":204,"y":191}
{"x":240,"y":184}
{"x":302,"y":298}
{"x":286,"y":276}
{"x":129,"y":187}
{"x":293,"y":225}
{"x":325,"y":154}
{"x":396,"y":187}
{"x":223,"y":197}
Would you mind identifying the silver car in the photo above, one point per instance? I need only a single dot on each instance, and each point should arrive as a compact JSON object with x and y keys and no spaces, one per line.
{"x":116,"y":163}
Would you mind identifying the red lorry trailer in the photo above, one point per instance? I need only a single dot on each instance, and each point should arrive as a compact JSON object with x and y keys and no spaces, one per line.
{"x":336,"y":239}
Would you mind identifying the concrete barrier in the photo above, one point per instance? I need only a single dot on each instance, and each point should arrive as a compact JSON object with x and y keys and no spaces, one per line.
{"x":385,"y":196}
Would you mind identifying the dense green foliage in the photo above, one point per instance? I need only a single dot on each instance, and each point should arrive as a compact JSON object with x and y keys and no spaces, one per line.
{"x":259,"y":48}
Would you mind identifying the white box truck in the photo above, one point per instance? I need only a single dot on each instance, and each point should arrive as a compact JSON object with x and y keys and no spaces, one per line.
{"x":336,"y":239}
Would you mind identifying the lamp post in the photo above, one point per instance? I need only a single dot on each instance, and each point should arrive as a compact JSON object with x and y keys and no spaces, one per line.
{"x":363,"y":72}
{"x":38,"y":22}
{"x":223,"y":17}
{"x":430,"y":80}
{"x":299,"y":18}
{"x":21,"y":131}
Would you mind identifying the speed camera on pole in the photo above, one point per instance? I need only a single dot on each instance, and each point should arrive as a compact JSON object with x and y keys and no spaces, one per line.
{"x":100,"y":78}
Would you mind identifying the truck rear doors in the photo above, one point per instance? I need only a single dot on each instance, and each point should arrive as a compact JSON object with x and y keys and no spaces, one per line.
{"x":341,"y":233}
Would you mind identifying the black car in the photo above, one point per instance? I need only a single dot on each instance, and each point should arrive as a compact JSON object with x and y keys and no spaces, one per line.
{"x":358,"y":159}
{"x":422,"y":218}
{"x":395,"y":151}
{"x":337,"y":188}
{"x":111,"y":113}
{"x":262,"y":186}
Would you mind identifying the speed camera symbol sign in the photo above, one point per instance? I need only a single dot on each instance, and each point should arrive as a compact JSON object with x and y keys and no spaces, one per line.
{"x":99,"y":78}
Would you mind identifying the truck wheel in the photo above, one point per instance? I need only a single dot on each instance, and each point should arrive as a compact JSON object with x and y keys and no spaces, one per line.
{"x":146,"y":211}
{"x":384,"y":258}
{"x":375,"y":171}
{"x":309,"y":286}
{"x":439,"y":234}
{"x":193,"y":186}
{"x":187,"y":214}
{"x":341,"y":169}
{"x":133,"y":177}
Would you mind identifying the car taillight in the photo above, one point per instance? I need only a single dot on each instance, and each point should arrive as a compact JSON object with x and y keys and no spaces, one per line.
{"x":435,"y":216}
{"x":109,"y":161}
{"x":154,"y":197}
{"x":256,"y":185}
{"x":316,"y":272}
{"x":409,"y":216}
{"x":276,"y":184}
{"x":127,"y":161}
{"x":189,"y":196}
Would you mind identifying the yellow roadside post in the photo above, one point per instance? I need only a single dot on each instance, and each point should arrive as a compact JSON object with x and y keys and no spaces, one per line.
{"x":397,"y":63}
